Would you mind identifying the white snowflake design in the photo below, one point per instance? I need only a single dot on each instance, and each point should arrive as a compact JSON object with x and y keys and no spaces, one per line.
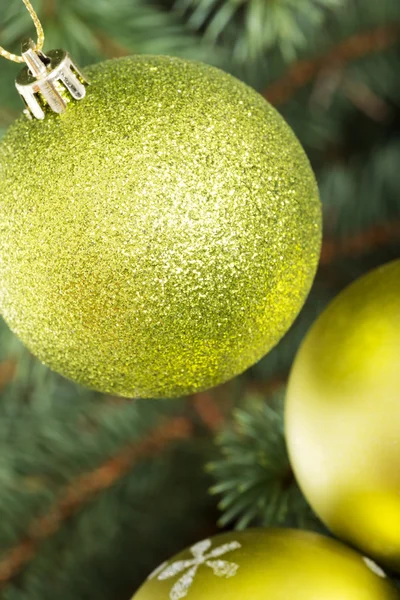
{"x":374,"y":567}
{"x":221,"y":568}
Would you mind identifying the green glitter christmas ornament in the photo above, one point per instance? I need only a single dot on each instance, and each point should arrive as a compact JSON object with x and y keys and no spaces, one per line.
{"x":159,"y":236}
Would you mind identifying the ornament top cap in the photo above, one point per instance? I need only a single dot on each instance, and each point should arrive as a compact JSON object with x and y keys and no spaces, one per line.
{"x":48,"y":82}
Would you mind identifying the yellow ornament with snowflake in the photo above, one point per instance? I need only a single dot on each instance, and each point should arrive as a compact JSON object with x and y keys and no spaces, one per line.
{"x":268,"y":564}
{"x":343,"y":415}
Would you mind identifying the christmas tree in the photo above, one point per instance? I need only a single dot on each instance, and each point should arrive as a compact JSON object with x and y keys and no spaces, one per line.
{"x":96,"y":491}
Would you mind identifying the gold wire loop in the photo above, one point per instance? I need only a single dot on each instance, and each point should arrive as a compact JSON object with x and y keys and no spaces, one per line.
{"x":40,"y":36}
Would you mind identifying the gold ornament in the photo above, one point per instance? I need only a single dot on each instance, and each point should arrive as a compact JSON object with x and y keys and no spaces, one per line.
{"x":161,"y":235}
{"x":343,"y":415}
{"x":268,"y":564}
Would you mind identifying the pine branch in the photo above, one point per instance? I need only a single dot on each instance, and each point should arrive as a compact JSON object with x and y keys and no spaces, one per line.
{"x":209,"y":411}
{"x":254,"y":475}
{"x":354,"y":48}
{"x":84,"y":489}
{"x":250,"y":28}
{"x":110,"y":47}
{"x":49,"y":9}
{"x":269,"y":387}
{"x":7,"y":372}
{"x":354,"y":246}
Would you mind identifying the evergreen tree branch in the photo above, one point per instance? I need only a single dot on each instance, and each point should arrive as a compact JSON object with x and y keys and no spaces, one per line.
{"x":253,"y":473}
{"x":269,"y":387}
{"x":209,"y":411}
{"x":376,"y":237}
{"x":85,"y":488}
{"x":354,"y":48}
{"x":110,"y":47}
{"x":49,"y":9}
{"x":7,"y":372}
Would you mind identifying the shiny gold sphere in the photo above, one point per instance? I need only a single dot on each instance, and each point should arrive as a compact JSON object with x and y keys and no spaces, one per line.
{"x":343,"y":415}
{"x":267,"y":564}
{"x":160,"y":236}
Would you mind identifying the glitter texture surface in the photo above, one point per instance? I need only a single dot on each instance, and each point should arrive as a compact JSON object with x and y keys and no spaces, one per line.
{"x":160,"y":236}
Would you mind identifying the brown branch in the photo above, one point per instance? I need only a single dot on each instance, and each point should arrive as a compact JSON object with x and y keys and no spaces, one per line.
{"x":84,"y":489}
{"x":357,"y":46}
{"x":110,"y":47}
{"x":366,"y":100}
{"x":208,"y":409}
{"x":268,"y":387}
{"x":7,"y":372}
{"x":356,"y":245}
{"x":49,"y":10}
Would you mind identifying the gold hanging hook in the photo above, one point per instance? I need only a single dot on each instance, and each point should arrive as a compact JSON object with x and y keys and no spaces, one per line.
{"x":40,"y":36}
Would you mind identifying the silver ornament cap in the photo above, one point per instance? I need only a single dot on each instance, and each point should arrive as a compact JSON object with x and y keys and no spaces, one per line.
{"x":48,"y":82}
